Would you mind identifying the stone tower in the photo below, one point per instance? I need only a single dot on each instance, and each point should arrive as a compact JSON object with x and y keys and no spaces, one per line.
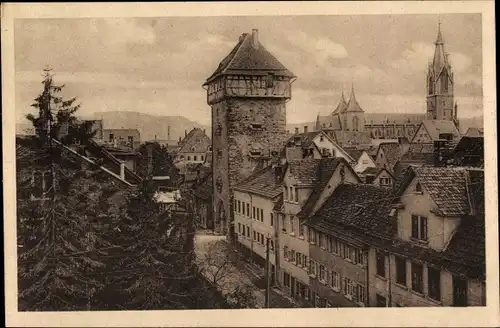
{"x":248,"y":94}
{"x":440,"y":104}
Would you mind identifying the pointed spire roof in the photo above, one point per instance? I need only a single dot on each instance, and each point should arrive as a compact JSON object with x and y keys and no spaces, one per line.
{"x":318,"y":123}
{"x":352,"y":105}
{"x":440,"y":57}
{"x":250,"y":57}
{"x":341,"y":106}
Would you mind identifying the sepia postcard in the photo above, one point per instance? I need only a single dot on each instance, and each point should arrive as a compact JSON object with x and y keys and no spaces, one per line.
{"x":228,"y":164}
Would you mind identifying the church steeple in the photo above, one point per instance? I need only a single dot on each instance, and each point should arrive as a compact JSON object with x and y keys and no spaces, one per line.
{"x":352,"y":105}
{"x":318,"y":124}
{"x":440,"y":105}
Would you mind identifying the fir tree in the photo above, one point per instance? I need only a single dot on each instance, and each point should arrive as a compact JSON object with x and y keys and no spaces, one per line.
{"x":56,"y":115}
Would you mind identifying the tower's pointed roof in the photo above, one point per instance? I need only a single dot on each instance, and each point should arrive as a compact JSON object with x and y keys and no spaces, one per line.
{"x":341,"y":106}
{"x":249,"y":57}
{"x":352,"y":105}
{"x":440,"y":57}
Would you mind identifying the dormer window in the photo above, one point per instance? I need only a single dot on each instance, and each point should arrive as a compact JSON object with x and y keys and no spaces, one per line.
{"x":193,"y":148}
{"x":321,"y":138}
{"x":418,"y":188}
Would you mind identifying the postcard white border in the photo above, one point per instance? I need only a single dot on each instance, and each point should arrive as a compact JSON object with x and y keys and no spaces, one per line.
{"x":383,"y":317}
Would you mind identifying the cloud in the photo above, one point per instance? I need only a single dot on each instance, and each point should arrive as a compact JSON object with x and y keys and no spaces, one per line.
{"x":459,"y":62}
{"x":122,"y":30}
{"x":414,"y":59}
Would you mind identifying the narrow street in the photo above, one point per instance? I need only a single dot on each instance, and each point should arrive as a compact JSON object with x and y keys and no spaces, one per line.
{"x":241,"y":275}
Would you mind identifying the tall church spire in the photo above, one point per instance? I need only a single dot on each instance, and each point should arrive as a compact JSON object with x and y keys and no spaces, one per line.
{"x":318,"y":124}
{"x":440,"y":58}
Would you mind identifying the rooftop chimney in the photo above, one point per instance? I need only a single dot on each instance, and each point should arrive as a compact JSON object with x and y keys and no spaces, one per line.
{"x":122,"y":170}
{"x":255,"y":38}
{"x":305,"y":129}
{"x":296,"y":130}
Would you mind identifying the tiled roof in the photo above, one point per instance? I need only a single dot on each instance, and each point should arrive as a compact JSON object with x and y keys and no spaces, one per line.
{"x":263,"y":182}
{"x":359,"y":206}
{"x":447,"y":186}
{"x":352,"y":105}
{"x":421,"y":148}
{"x":304,"y":170}
{"x":244,"y":58}
{"x":352,"y":138}
{"x":354,"y":153}
{"x":370,"y":171}
{"x":196,"y":141}
{"x":341,"y":107}
{"x":305,"y":139}
{"x":331,"y":122}
{"x":470,"y":145}
{"x":436,"y":127}
{"x":392,"y":153}
{"x":325,"y":171}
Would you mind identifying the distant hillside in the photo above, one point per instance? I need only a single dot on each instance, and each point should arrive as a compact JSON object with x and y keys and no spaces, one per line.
{"x":149,"y":125}
{"x":465,"y":123}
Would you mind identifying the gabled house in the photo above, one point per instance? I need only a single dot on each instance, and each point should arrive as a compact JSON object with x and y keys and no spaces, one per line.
{"x":307,"y":183}
{"x":388,"y":154}
{"x":316,"y":144}
{"x":433,"y":130}
{"x":384,"y":178}
{"x":194,"y":146}
{"x":341,"y":234}
{"x":362,"y":160}
{"x":436,"y":256}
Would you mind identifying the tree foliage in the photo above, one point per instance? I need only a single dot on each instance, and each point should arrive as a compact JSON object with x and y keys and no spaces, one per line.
{"x":56,"y":115}
{"x":162,"y":163}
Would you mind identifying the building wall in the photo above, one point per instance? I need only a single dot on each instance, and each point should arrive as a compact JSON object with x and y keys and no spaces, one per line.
{"x":235,"y":116}
{"x":421,"y":136}
{"x":335,"y":150}
{"x":403,"y":295}
{"x":265,"y":228}
{"x":390,"y":131}
{"x":440,"y":229}
{"x":220,"y":166}
{"x":190,"y":157}
{"x":365,"y":161}
{"x":383,"y":175}
{"x":346,"y":269}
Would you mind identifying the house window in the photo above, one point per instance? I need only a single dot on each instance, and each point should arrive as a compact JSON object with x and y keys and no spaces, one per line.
{"x":248,"y":209}
{"x":296,"y":195}
{"x":385,"y":181}
{"x":400,"y":270}
{"x":261,"y":215}
{"x":381,"y":301}
{"x":312,"y":267}
{"x":285,"y":195}
{"x":285,"y":252}
{"x":253,"y":212}
{"x":434,"y":283}
{"x":381,"y":264}
{"x":243,"y":208}
{"x":239,"y":228}
{"x":312,"y":236}
{"x":272,"y":219}
{"x":322,"y":273}
{"x":189,"y":158}
{"x":298,"y":259}
{"x":335,"y":280}
{"x":417,"y":278}
{"x":359,"y":293}
{"x":291,"y":194}
{"x":283,"y":223}
{"x":292,"y":225}
{"x":418,"y":187}
{"x":459,"y":291}
{"x":248,"y":232}
{"x":286,"y":279}
{"x":239,"y":207}
{"x":322,"y":138}
{"x":302,"y":231}
{"x":348,"y":288}
{"x":419,"y":227}
{"x":202,"y":158}
{"x":292,"y":256}
{"x":305,"y":261}
{"x":195,"y":158}
{"x":254,"y":235}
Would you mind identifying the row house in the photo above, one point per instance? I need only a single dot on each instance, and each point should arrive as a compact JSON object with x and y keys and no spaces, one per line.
{"x":306,"y":184}
{"x":436,"y":255}
{"x":341,"y":235}
{"x":254,"y":218}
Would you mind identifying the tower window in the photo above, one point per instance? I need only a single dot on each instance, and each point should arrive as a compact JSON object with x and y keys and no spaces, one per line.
{"x":444,"y":82}
{"x":431,"y":86}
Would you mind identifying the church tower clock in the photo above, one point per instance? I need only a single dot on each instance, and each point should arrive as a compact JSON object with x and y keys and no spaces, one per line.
{"x":440,"y":84}
{"x":247,"y":93}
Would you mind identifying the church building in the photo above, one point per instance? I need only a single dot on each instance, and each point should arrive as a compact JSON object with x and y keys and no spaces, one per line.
{"x":350,"y":118}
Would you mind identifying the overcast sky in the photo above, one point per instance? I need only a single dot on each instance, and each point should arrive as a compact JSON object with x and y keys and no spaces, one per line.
{"x":157,"y":66}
